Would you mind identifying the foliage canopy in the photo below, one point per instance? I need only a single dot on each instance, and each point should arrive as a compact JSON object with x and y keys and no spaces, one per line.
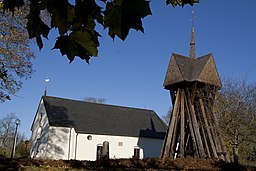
{"x":235,"y":109}
{"x":76,"y":21}
{"x":15,"y":53}
{"x":7,"y":132}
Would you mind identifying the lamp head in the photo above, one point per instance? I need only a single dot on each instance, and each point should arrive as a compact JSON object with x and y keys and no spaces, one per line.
{"x":17,"y":121}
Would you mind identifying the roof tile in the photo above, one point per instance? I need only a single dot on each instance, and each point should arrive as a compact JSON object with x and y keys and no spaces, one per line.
{"x":104,"y":119}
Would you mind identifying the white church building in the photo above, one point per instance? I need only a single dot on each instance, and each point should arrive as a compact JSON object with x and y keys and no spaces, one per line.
{"x":70,"y":129}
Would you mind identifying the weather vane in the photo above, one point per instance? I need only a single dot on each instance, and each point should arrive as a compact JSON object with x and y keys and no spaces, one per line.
{"x":46,"y":84}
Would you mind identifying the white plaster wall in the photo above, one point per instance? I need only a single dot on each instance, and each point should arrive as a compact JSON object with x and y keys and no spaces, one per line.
{"x":72,"y":141}
{"x":87,"y":149}
{"x":39,"y":133}
{"x":41,"y":147}
{"x":58,"y":143}
{"x":65,"y":143}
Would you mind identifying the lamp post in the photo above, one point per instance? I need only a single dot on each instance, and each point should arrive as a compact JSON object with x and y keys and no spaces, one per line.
{"x":26,"y":143}
{"x":17,"y":122}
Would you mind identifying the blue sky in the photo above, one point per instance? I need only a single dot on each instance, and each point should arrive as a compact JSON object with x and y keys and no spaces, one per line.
{"x":131,"y":73}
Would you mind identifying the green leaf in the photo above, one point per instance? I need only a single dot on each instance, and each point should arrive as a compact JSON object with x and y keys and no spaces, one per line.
{"x":112,"y":20}
{"x":64,"y":43}
{"x":79,"y":43}
{"x":85,"y":9}
{"x":39,"y":42}
{"x":181,"y":2}
{"x":86,"y":40}
{"x":62,"y":13}
{"x":12,"y":4}
{"x":139,"y":7}
{"x":123,"y":15}
{"x":36,"y":28}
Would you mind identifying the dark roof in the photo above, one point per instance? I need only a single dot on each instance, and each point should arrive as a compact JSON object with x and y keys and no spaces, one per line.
{"x":185,"y":69}
{"x":95,"y":118}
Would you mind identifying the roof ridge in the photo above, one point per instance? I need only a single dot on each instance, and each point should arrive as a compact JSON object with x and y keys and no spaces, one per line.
{"x":183,"y":77}
{"x":101,"y":104}
{"x":205,"y":56}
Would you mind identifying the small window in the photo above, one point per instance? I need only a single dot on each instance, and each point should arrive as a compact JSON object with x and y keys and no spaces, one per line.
{"x":99,"y":152}
{"x":89,"y":137}
{"x":136,"y":153}
{"x":120,"y":144}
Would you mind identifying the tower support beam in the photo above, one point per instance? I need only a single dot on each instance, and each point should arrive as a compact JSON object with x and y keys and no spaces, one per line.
{"x":192,"y":128}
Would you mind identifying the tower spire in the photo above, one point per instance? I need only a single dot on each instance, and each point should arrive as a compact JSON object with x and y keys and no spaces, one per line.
{"x":192,"y":51}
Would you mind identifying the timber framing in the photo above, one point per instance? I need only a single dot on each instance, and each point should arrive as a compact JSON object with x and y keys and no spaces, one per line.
{"x":192,"y":131}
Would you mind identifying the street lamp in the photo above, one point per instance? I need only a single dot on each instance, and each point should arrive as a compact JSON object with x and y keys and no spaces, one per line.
{"x":26,"y":143}
{"x":17,"y":122}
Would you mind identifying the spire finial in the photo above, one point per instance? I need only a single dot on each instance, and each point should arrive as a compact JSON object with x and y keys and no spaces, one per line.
{"x":192,"y":52}
{"x":193,"y":20}
{"x":46,"y":84}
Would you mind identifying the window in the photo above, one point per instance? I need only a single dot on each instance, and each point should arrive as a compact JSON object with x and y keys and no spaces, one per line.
{"x":99,"y":152}
{"x":120,"y":144}
{"x":136,"y":152}
{"x":89,"y":137}
{"x":41,"y":117}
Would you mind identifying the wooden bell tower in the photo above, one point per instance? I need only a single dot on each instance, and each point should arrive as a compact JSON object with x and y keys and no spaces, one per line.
{"x":193,"y":83}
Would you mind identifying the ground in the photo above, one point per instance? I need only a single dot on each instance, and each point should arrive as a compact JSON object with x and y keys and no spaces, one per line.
{"x":151,"y":164}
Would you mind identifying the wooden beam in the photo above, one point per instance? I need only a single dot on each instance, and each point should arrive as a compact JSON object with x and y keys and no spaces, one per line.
{"x":215,"y":139}
{"x":173,"y":97}
{"x":175,"y":136}
{"x":196,"y":126}
{"x":182,"y":125}
{"x":193,"y":92}
{"x":223,"y":146}
{"x":214,"y":131}
{"x":221,"y":141}
{"x":191,"y":128}
{"x":202,"y":130}
{"x":166,"y":149}
{"x":208,"y":129}
{"x":164,"y":145}
{"x":205,"y":138}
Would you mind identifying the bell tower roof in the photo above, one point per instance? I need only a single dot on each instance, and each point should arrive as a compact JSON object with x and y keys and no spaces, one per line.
{"x":183,"y":69}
